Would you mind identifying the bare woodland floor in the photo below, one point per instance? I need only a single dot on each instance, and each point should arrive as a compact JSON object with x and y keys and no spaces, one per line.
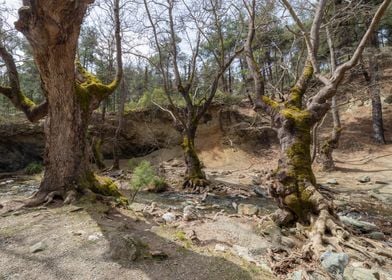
{"x":77,"y":239}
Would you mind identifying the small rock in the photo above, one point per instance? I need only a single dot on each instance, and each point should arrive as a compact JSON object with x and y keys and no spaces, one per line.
{"x":37,"y":247}
{"x":190,"y":234}
{"x":190,"y":213}
{"x":220,"y":248}
{"x":9,"y":181}
{"x":260,"y":191}
{"x":226,"y":172}
{"x":244,"y":253}
{"x":124,"y":247}
{"x":241,"y":176}
{"x":95,"y":236}
{"x":78,"y":232}
{"x":235,"y":205}
{"x":359,"y":273}
{"x":334,"y":263}
{"x":364,"y":179}
{"x":247,"y":209}
{"x":75,"y":209}
{"x":282,"y":217}
{"x":160,"y":255}
{"x":332,"y":182}
{"x":169,"y":217}
{"x":298,"y":275}
{"x":377,"y":235}
{"x":360,"y":225}
{"x":256,"y":180}
{"x":388,"y":99}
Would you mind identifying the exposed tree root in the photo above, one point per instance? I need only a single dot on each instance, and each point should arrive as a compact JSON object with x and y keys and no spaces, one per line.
{"x":39,"y":198}
{"x":196,"y":185}
{"x":97,"y":186}
{"x":327,"y":234}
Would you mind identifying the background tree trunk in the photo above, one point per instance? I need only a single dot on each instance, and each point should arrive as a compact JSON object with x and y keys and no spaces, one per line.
{"x":194,"y":175}
{"x":120,"y":114}
{"x":332,"y":143}
{"x":374,"y":91}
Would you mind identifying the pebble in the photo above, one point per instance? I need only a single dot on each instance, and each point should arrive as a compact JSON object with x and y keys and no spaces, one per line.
{"x":332,"y":182}
{"x":37,"y":247}
{"x":377,"y":235}
{"x":190,"y":213}
{"x":220,"y":248}
{"x":169,"y":217}
{"x":95,"y":236}
{"x":247,"y":209}
{"x":160,"y":255}
{"x":364,"y":179}
{"x":334,"y":263}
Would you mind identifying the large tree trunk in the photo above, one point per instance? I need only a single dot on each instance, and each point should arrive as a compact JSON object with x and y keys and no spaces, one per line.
{"x":66,"y":125}
{"x":71,"y":101}
{"x":294,"y":173}
{"x":194,"y":175}
{"x":54,"y":52}
{"x":294,"y":186}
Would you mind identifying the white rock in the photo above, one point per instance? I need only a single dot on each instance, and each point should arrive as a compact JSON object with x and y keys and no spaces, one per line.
{"x":37,"y":247}
{"x":169,"y":217}
{"x":190,"y":213}
{"x":95,"y":236}
{"x":220,"y":248}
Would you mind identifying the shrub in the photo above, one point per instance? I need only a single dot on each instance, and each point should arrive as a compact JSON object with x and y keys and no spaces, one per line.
{"x":34,"y":168}
{"x":144,"y":176}
{"x":132,"y":163}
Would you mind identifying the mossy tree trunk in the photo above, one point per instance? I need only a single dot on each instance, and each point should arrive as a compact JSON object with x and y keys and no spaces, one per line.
{"x":54,"y":52}
{"x":71,"y":95}
{"x":295,"y":184}
{"x":194,"y":175}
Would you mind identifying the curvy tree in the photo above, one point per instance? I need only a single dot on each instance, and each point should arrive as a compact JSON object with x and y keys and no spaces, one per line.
{"x":294,"y":184}
{"x":200,"y":16}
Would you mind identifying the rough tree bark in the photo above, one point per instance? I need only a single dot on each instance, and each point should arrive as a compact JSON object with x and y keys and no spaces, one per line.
{"x":52,"y":29}
{"x":194,"y":175}
{"x":374,"y":91}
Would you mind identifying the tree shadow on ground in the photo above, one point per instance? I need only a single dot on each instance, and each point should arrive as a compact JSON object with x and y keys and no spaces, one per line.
{"x":181,"y":263}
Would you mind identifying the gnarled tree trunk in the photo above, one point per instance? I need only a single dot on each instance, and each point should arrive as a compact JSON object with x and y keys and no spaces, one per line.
{"x":54,"y":51}
{"x":194,"y":175}
{"x":52,"y":29}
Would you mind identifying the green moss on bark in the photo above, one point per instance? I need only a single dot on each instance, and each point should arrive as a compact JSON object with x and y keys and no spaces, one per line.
{"x":103,"y":186}
{"x":89,"y":87}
